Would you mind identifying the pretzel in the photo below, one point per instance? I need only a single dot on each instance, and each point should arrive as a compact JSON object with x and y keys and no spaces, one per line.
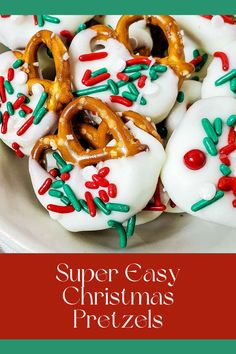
{"x":175,"y":57}
{"x":72,"y":150}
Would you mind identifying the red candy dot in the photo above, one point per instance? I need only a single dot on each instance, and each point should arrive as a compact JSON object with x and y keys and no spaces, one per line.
{"x":65,"y":176}
{"x":194,"y":159}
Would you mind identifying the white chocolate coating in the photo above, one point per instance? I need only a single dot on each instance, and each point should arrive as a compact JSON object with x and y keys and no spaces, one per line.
{"x":160,"y":94}
{"x":185,"y":186}
{"x":135,"y":178}
{"x":19,"y":84}
{"x":16,"y":30}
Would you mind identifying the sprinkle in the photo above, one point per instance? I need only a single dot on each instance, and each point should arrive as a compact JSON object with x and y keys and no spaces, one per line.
{"x":98,"y":72}
{"x":0,"y":117}
{"x":86,"y":76}
{"x":122,"y":77}
{"x":121,"y":231}
{"x":121,"y":100}
{"x":224,"y":159}
{"x":134,"y":76}
{"x":143,"y":101}
{"x":90,"y":91}
{"x":39,"y":115}
{"x":231,"y":136}
{"x":67,"y":34}
{"x":133,"y":68}
{"x":55,"y":193}
{"x":26,"y":109}
{"x":84,"y":205}
{"x":81,"y":27}
{"x":5,"y":119}
{"x":233,"y":85}
{"x":196,"y":53}
{"x":45,"y":186}
{"x":153,"y":75}
{"x":65,"y":200}
{"x":93,"y":56}
{"x":159,"y":68}
{"x":72,"y":197}
{"x":58,"y":184}
{"x":100,"y":180}
{"x":35,"y":20}
{"x":227,"y":184}
{"x":69,"y":167}
{"x":200,"y":65}
{"x":218,"y":124}
{"x":10,"y":74}
{"x":194,"y":159}
{"x":227,"y":77}
{"x":133,"y":89}
{"x":27,"y":99}
{"x":19,"y":153}
{"x":60,"y":209}
{"x":225,"y":170}
{"x":180,"y":97}
{"x":40,"y":20}
{"x":59,"y":159}
{"x":51,"y":19}
{"x":231,"y":120}
{"x":234,"y":203}
{"x":15,"y":146}
{"x":196,"y":60}
{"x":228,"y":149}
{"x":137,"y":60}
{"x":123,"y":208}
{"x":103,"y":172}
{"x":17,"y":64}
{"x":228,"y":19}
{"x":2,"y":90}
{"x":10,"y":109}
{"x":204,"y":203}
{"x":90,"y":202}
{"x":91,"y":185}
{"x":99,"y":203}
{"x":25,"y":126}
{"x":131,"y":226}
{"x":210,"y":146}
{"x":103,"y":195}
{"x":65,"y":176}
{"x":8,"y":87}
{"x":40,"y":103}
{"x":18,"y":102}
{"x":210,"y":131}
{"x":97,"y":79}
{"x":129,"y":96}
{"x":112,"y":190}
{"x":113,"y":87}
{"x":22,"y":113}
{"x":54,"y":172}
{"x":224,"y":59}
{"x":142,"y":81}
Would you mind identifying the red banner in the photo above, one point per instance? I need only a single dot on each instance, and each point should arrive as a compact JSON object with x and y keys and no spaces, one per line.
{"x":138,"y":296}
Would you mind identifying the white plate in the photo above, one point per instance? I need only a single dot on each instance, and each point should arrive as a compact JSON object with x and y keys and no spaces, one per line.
{"x":25,"y":226}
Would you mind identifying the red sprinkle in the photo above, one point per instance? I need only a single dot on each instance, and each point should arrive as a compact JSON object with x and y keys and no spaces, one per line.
{"x":224,"y":59}
{"x":90,"y":202}
{"x":141,"y":81}
{"x":60,"y":209}
{"x":45,"y":186}
{"x":86,"y":76}
{"x":5,"y":118}
{"x":231,"y":136}
{"x":172,"y":204}
{"x":2,"y":90}
{"x":25,"y":126}
{"x":234,"y":203}
{"x":112,"y":190}
{"x":227,"y":184}
{"x":100,"y":180}
{"x":157,"y":204}
{"x":35,"y":20}
{"x":224,"y":159}
{"x":18,"y":102}
{"x":67,"y":34}
{"x":122,"y":77}
{"x":93,"y":56}
{"x":15,"y":146}
{"x":194,"y":159}
{"x":103,"y":172}
{"x":54,"y":172}
{"x":103,"y":195}
{"x":196,"y":60}
{"x":10,"y":74}
{"x":228,"y":19}
{"x":209,"y":17}
{"x":19,"y":153}
{"x":91,"y":185}
{"x":134,"y":61}
{"x":65,"y":176}
{"x":228,"y":149}
{"x":121,"y":100}
{"x":26,"y":109}
{"x":97,"y":79}
{"x":5,"y":16}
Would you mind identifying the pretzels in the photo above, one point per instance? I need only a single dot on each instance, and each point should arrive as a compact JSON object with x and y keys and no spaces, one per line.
{"x":72,"y":151}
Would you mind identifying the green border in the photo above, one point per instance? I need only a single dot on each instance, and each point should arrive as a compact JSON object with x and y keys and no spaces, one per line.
{"x":115,"y":346}
{"x":117,"y":7}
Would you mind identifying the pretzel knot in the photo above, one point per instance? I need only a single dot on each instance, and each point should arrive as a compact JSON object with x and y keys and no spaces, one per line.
{"x":68,"y":143}
{"x":59,"y":90}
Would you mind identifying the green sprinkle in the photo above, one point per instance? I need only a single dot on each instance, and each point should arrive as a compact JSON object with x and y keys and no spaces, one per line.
{"x":17,"y":63}
{"x":58,"y":184}
{"x":204,"y":203}
{"x":123,"y":208}
{"x":225,"y":78}
{"x":40,"y":103}
{"x":81,"y":28}
{"x":203,"y":62}
{"x":210,"y":146}
{"x":99,"y":203}
{"x":210,"y":131}
{"x":99,"y":72}
{"x":113,"y":87}
{"x":153,"y":75}
{"x":39,"y":115}
{"x":55,"y":193}
{"x":72,"y":197}
{"x":218,"y":125}
{"x":51,"y":19}
{"x":233,"y":85}
{"x":69,"y":167}
{"x":131,"y":226}
{"x":59,"y":159}
{"x":121,"y":83}
{"x":27,"y":100}
{"x":225,"y":170}
{"x":40,"y":20}
{"x":65,"y":200}
{"x":121,"y":231}
{"x":133,"y":68}
{"x":134,"y":76}
{"x":196,"y":53}
{"x":195,"y":78}
{"x":129,"y":96}
{"x":145,"y":67}
{"x":180,"y":97}
{"x":84,"y":205}
{"x":143,"y":101}
{"x":231,"y":120}
{"x":133,"y":89}
{"x":0,"y":117}
{"x":8,"y":87}
{"x":10,"y":109}
{"x":159,"y":68}
{"x":91,"y":90}
{"x":49,"y":53}
{"x":22,"y":113}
